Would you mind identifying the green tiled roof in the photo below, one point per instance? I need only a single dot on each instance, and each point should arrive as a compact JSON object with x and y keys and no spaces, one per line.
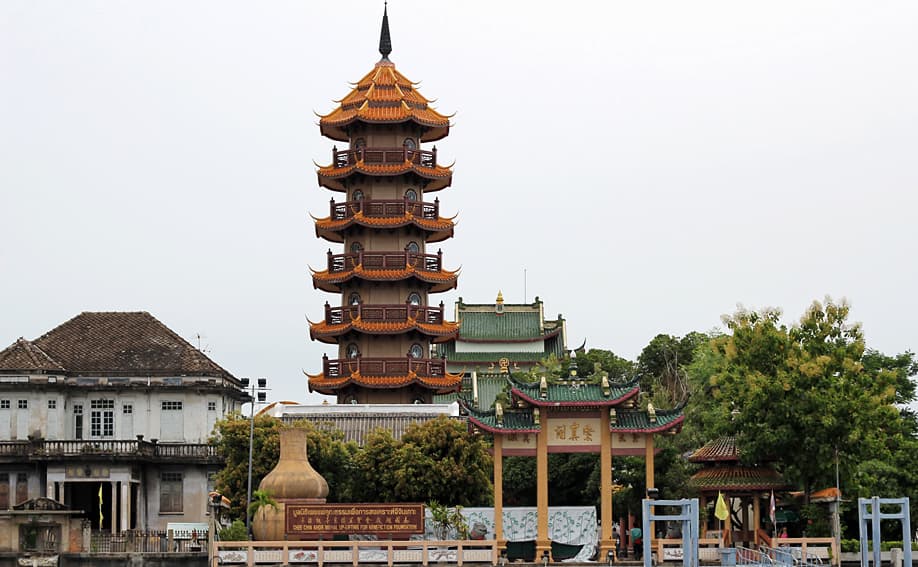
{"x":583,"y":395}
{"x":508,"y":326}
{"x":513,"y":420}
{"x":638,"y":421}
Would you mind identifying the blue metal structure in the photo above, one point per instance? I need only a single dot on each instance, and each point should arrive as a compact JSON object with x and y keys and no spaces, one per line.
{"x":688,"y":515}
{"x":869,"y":509}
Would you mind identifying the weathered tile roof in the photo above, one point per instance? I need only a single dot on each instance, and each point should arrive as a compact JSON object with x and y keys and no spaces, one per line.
{"x":732,"y":478}
{"x":24,"y":356}
{"x":384,"y":96}
{"x":127,"y":343}
{"x":720,"y":449}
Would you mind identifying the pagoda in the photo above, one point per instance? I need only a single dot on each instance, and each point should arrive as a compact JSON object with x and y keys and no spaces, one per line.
{"x":381,"y":320}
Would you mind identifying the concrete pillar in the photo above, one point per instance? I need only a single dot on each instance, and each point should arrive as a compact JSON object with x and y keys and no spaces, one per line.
{"x":125,"y":506}
{"x":114,"y":510}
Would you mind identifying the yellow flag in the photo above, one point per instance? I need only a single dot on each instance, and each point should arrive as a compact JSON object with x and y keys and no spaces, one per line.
{"x":100,"y":506}
{"x":720,"y":509}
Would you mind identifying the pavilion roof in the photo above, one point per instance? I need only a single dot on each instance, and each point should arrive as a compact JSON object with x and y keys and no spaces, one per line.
{"x":640,"y":420}
{"x":733,"y":478}
{"x":720,"y":449}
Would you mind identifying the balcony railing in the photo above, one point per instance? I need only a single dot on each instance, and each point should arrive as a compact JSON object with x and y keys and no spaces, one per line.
{"x":108,"y":448}
{"x":384,"y":261}
{"x":341,"y":367}
{"x":383,"y":313}
{"x":345,"y":158}
{"x":380,"y":208}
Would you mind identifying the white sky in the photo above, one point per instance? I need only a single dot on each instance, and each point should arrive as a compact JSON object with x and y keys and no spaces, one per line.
{"x":648,"y":164}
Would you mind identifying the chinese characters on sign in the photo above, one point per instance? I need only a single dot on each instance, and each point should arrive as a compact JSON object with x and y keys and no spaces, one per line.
{"x":379,"y":519}
{"x":584,"y":433}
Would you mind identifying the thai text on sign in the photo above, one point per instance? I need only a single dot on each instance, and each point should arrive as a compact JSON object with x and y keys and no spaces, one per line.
{"x":322,"y":519}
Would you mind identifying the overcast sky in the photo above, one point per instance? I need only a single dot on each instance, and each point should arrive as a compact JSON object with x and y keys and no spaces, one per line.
{"x":647,"y":165}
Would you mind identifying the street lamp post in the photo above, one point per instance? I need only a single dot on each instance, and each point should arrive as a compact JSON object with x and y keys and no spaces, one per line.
{"x":261,"y":390}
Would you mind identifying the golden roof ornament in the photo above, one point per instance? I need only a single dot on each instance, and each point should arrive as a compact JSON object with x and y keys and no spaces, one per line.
{"x":499,"y":413}
{"x":535,"y":415}
{"x":543,"y":388}
{"x":651,"y":412}
{"x":613,"y":417}
{"x":606,"y":389}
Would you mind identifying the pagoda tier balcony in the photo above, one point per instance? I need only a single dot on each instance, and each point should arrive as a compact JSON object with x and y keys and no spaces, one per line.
{"x":383,"y":213}
{"x":383,"y":320}
{"x":384,"y":373}
{"x":385,"y":162}
{"x":345,"y":158}
{"x":385,"y":266}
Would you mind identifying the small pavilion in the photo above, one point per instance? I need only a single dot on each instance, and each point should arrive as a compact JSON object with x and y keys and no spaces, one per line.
{"x":743,"y":486}
{"x":574,"y":415}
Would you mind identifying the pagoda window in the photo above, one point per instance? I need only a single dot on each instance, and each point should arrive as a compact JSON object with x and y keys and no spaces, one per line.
{"x":416,"y":351}
{"x":357,"y":195}
{"x":410,"y":144}
{"x":353,"y":351}
{"x":356,"y":247}
{"x":360,"y":143}
{"x":354,"y":298}
{"x":414,"y":298}
{"x":411,"y":195}
{"x":412,"y":248}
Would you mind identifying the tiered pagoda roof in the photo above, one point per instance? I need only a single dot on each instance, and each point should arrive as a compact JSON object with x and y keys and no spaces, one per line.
{"x":722,"y":470}
{"x":352,"y":214}
{"x":328,"y":333}
{"x":384,"y":96}
{"x":440,"y":280}
{"x":325,"y":384}
{"x":331,"y":176}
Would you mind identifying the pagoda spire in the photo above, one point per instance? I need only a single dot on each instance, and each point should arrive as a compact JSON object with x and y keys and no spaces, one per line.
{"x":385,"y":42}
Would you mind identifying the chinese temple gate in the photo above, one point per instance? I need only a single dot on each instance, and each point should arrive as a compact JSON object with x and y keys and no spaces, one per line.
{"x":572,"y":416}
{"x":382,"y":322}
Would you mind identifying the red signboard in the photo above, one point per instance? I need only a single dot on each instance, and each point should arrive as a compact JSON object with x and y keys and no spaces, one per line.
{"x":330,"y":519}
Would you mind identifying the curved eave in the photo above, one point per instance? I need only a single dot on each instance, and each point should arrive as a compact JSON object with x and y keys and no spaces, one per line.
{"x":438,"y":384}
{"x":338,"y":130}
{"x":543,"y":337}
{"x":512,"y":421}
{"x":437,"y":231}
{"x":660,"y":426}
{"x":328,"y":333}
{"x":438,"y":281}
{"x":438,"y":177}
{"x":587,"y":395}
{"x":737,"y":478}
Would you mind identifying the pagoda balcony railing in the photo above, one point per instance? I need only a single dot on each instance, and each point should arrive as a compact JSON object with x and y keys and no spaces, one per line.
{"x":384,"y":261}
{"x":44,"y":449}
{"x":384,"y":313}
{"x":345,"y":158}
{"x":381,"y":208}
{"x":395,"y":366}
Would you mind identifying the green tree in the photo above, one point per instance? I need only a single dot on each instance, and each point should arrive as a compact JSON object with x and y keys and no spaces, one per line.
{"x":798,"y":394}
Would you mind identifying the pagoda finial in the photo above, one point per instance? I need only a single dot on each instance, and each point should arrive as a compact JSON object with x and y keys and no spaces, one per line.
{"x":385,"y":42}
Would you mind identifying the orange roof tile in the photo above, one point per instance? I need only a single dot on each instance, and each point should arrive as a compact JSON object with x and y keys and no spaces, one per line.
{"x":442,"y":384}
{"x":441,"y":227}
{"x":443,"y":280}
{"x":324,"y":332}
{"x":384,"y":96}
{"x":330,"y":176}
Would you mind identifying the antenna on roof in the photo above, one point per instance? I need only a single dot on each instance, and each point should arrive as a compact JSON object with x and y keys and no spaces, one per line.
{"x":205,"y":348}
{"x":385,"y":41}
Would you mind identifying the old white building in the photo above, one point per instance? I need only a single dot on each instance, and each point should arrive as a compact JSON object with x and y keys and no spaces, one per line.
{"x":110,"y":413}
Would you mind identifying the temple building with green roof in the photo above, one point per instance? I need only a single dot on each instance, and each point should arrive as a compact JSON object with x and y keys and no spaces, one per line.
{"x":490,"y":334}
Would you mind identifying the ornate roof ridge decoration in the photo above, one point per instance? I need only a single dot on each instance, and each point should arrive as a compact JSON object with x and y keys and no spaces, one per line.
{"x":322,"y":331}
{"x":438,"y":176}
{"x":440,"y":384}
{"x":723,"y":449}
{"x":509,"y":420}
{"x":440,"y":228}
{"x":576,"y":393}
{"x":442,"y":280}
